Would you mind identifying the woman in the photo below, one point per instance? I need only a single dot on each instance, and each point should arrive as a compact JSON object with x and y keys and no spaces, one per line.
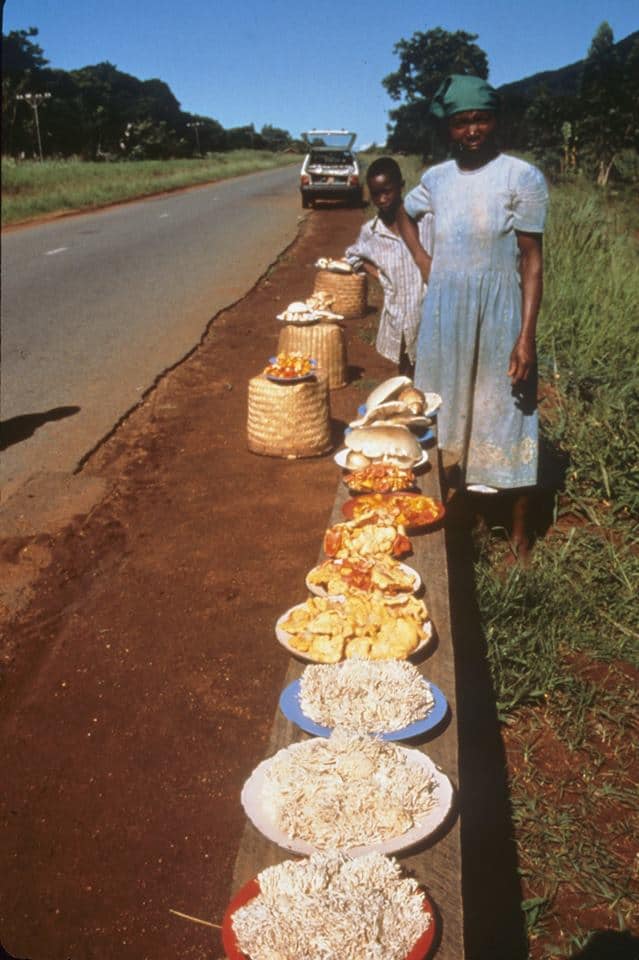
{"x":476,"y":344}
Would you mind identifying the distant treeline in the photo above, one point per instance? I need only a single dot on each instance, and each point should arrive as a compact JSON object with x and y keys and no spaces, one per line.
{"x":582,"y":118}
{"x":98,"y":112}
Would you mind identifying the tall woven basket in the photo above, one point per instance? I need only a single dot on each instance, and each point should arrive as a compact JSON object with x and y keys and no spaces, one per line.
{"x":289,"y":419}
{"x":348,"y":292}
{"x":323,"y":341}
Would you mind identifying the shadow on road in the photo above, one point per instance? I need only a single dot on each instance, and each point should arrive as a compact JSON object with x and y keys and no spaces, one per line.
{"x":17,"y":429}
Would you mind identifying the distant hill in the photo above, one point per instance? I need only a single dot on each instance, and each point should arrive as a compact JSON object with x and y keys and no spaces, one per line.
{"x":562,"y":82}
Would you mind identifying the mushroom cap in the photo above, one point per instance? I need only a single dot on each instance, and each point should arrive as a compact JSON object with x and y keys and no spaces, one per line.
{"x":384,"y":440}
{"x":386,"y":391}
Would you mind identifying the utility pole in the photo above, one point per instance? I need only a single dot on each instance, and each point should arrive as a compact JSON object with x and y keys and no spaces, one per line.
{"x":196,"y":126}
{"x":34,"y":100}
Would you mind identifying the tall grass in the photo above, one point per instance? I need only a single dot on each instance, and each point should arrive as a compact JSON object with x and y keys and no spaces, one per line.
{"x":547,"y":626}
{"x":31,"y":189}
{"x":588,"y":339}
{"x":580,"y":592}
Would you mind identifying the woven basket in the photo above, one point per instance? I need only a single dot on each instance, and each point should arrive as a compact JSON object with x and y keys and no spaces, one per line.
{"x":348,"y":291}
{"x":323,"y":341}
{"x":289,"y":419}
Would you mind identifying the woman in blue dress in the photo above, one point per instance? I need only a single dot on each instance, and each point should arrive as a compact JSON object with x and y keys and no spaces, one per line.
{"x":476,"y":343}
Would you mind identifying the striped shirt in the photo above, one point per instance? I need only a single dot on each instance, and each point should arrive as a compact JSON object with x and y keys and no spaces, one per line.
{"x":401,"y":282}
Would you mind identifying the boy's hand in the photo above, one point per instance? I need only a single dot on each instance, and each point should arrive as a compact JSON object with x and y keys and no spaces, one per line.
{"x":370,"y":269}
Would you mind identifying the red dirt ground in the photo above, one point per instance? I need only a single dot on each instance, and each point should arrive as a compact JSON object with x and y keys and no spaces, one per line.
{"x":142,"y":680}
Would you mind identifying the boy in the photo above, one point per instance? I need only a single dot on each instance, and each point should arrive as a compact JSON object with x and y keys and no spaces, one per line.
{"x":381,"y":252}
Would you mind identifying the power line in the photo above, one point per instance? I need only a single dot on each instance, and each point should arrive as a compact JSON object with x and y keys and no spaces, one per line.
{"x":35,"y":100}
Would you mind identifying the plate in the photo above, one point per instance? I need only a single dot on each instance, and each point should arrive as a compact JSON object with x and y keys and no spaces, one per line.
{"x":292,"y":710}
{"x":413,"y":422}
{"x":303,"y":319}
{"x":257,"y":812}
{"x":433,"y":403}
{"x":481,"y":488}
{"x":285,"y":638}
{"x":274,"y":379}
{"x":426,"y":436}
{"x":355,"y":490}
{"x":250,"y":890}
{"x":348,"y":508}
{"x":311,"y":316}
{"x":341,"y":455}
{"x":321,"y":592}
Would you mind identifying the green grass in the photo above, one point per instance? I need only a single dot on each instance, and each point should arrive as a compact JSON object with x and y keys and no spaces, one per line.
{"x":31,"y":189}
{"x":577,"y":596}
{"x":588,"y":336}
{"x":561,"y":632}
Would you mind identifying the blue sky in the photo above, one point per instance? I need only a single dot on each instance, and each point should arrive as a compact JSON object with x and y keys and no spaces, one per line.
{"x":301,"y":64}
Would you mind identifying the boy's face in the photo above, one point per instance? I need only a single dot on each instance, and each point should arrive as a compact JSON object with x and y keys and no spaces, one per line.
{"x":385,"y":193}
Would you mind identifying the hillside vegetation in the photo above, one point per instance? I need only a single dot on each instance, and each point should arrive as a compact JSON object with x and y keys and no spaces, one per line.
{"x":97,"y":112}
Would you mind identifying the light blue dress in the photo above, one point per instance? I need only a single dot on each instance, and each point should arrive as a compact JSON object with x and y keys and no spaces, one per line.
{"x":472,"y":315}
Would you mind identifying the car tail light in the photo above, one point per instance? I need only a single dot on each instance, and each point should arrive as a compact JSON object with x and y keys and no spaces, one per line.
{"x":305,"y":180}
{"x":353,"y":180}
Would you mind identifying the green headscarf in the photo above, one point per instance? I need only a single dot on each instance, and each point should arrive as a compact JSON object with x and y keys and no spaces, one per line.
{"x":459,"y":93}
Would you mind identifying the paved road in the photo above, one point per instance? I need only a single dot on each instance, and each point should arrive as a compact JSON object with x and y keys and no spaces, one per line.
{"x":95,"y":307}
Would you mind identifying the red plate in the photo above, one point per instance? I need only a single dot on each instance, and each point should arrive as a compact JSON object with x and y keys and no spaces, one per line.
{"x":421,"y":950}
{"x":380,"y":499}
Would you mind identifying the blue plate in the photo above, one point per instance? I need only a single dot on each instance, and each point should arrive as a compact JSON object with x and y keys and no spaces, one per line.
{"x":427,"y":436}
{"x":274,"y":379}
{"x":290,"y":707}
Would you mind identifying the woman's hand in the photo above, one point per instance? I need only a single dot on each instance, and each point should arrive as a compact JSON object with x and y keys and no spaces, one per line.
{"x":524,"y":354}
{"x":423,"y":263}
{"x":522,"y":359}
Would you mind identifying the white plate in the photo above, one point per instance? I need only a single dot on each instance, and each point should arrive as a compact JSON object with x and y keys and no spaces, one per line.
{"x":257,"y":811}
{"x":300,"y":319}
{"x":321,"y":592}
{"x":481,"y":488}
{"x":285,"y":638}
{"x":433,"y":403}
{"x":341,"y":455}
{"x":414,"y":423}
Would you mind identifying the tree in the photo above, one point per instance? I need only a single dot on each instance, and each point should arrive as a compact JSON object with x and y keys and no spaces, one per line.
{"x":239,"y":138}
{"x":609,"y":100}
{"x":22,"y":64}
{"x":545,"y":121}
{"x":202,"y":134}
{"x":425,"y":61}
{"x":107,"y":100}
{"x":275,"y":138}
{"x":158,"y":103}
{"x":148,"y":140}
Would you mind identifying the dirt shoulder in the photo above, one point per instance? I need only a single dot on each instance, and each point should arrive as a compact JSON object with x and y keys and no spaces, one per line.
{"x":140,"y":681}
